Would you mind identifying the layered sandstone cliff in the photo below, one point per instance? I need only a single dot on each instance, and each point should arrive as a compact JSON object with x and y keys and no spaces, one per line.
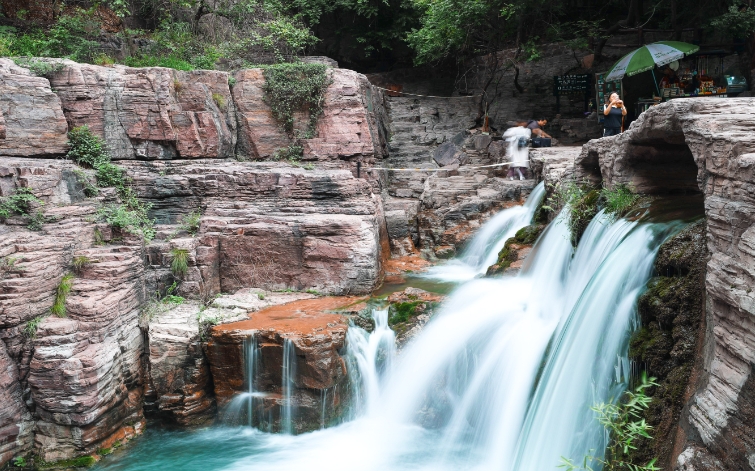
{"x":76,"y":384}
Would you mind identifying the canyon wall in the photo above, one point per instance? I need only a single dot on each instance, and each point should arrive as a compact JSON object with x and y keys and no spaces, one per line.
{"x":703,"y":145}
{"x":188,"y":141}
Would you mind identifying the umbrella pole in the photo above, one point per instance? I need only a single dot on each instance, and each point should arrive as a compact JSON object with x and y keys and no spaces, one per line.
{"x":655,"y":82}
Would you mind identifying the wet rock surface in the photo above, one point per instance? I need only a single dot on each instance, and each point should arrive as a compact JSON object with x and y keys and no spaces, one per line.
{"x":317,"y":333}
{"x":515,"y":251}
{"x":699,"y":145}
{"x":670,"y":338}
{"x":409,"y":311}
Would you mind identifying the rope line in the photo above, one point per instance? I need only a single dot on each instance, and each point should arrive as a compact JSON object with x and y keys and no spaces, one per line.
{"x":426,"y":96}
{"x":438,"y":169}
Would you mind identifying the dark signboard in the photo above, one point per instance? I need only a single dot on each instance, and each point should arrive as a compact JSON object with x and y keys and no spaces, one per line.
{"x":572,"y":84}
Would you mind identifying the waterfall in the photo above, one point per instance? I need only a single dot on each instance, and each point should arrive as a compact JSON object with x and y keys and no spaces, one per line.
{"x":287,"y":386}
{"x":502,"y":377}
{"x":482,"y":251}
{"x":240,"y":411}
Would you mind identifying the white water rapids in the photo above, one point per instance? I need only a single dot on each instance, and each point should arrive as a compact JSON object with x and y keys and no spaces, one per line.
{"x":501,"y":378}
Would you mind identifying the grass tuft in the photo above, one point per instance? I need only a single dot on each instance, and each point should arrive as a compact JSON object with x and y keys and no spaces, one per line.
{"x":179,"y":264}
{"x":61,"y":295}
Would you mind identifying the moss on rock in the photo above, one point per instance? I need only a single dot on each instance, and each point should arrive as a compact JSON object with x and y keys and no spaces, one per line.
{"x":671,"y":311}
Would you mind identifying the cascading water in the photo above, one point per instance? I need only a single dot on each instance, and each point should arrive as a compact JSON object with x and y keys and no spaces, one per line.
{"x":287,"y":386}
{"x":240,"y":411}
{"x":502,"y":378}
{"x":482,"y":250}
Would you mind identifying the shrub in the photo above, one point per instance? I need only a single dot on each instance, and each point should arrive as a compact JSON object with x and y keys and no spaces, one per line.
{"x":624,"y":425}
{"x":261,"y":296}
{"x":86,"y":148}
{"x":38,"y":67}
{"x":36,"y":220}
{"x":219,"y":100}
{"x":19,"y":203}
{"x":179,"y":263}
{"x":79,"y":262}
{"x":131,"y":215}
{"x":581,"y":200}
{"x":61,"y":295}
{"x":20,"y":462}
{"x":130,"y":220}
{"x":171,"y":62}
{"x":90,"y":190}
{"x":618,"y":200}
{"x":295,"y":87}
{"x":401,"y":312}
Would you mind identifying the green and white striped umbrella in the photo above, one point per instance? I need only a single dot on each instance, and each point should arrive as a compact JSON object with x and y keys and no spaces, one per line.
{"x":648,"y":56}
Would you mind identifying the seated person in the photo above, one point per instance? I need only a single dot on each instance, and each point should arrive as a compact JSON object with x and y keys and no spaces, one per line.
{"x":536,"y":126}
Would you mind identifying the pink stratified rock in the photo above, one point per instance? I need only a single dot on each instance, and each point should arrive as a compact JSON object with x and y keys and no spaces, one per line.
{"x":703,"y":145}
{"x":15,"y":423}
{"x":86,"y":372}
{"x":270,"y":225}
{"x":31,"y":118}
{"x":151,"y":113}
{"x":346,"y":130}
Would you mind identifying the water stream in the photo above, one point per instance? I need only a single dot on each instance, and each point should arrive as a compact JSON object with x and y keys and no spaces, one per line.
{"x":502,"y":377}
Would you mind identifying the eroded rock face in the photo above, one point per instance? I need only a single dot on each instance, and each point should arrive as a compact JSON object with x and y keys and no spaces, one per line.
{"x":270,"y":225}
{"x":318,"y":336}
{"x":151,"y":113}
{"x":704,"y":145}
{"x":31,"y":119}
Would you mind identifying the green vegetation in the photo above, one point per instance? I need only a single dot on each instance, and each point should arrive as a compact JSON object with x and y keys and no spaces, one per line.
{"x":20,"y":462}
{"x":131,"y":214}
{"x":401,"y":312}
{"x":18,"y":203}
{"x":313,"y":291}
{"x":86,"y":148}
{"x":261,"y":296}
{"x":179,"y":262}
{"x":618,"y":200}
{"x":8,"y":265}
{"x":30,"y":330}
{"x":624,"y":425}
{"x":61,"y":295}
{"x":98,"y":239}
{"x":90,"y":189}
{"x":290,"y":88}
{"x":582,"y":203}
{"x":79,"y":262}
{"x":80,"y":462}
{"x":206,"y":323}
{"x":190,"y":222}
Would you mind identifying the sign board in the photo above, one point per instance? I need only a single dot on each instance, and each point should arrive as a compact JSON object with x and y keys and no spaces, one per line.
{"x":571,"y":84}
{"x":604,"y":89}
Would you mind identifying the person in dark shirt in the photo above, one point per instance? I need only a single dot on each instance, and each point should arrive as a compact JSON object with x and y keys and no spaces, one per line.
{"x":614,"y":112}
{"x":536,"y":126}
